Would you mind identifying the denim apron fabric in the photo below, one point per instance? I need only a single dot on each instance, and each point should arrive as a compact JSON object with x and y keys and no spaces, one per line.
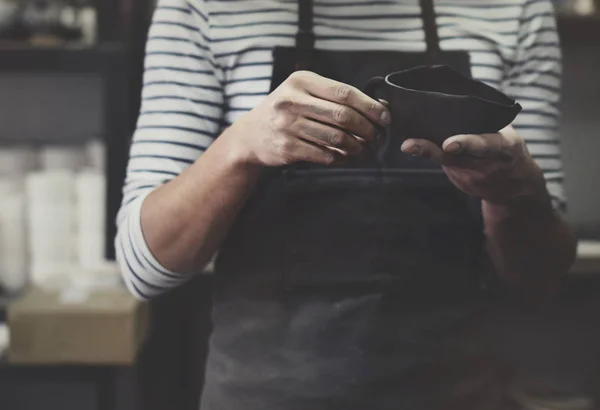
{"x":351,"y":287}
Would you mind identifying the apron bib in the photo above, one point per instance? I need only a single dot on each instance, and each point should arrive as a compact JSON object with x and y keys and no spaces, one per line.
{"x":351,"y":287}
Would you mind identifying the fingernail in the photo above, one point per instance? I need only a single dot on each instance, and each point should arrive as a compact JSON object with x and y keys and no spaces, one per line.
{"x":385,"y":117}
{"x":415,"y":150}
{"x":453,"y":147}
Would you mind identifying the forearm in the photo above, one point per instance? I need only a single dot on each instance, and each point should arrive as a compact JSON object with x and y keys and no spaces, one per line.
{"x":185,"y":220}
{"x":530,"y":244}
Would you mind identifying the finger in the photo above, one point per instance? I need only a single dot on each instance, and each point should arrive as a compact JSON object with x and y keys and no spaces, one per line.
{"x":326,"y":135}
{"x":340,"y":116}
{"x":471,"y":144}
{"x":508,"y":130}
{"x":344,"y":94}
{"x":493,"y":146}
{"x":427,"y":149}
{"x":422,"y":148}
{"x":304,"y":151}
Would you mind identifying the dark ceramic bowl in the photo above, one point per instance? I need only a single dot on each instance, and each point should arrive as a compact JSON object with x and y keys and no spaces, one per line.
{"x":436,"y":102}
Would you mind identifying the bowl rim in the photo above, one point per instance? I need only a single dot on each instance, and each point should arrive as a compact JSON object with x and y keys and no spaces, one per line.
{"x":461,"y":96}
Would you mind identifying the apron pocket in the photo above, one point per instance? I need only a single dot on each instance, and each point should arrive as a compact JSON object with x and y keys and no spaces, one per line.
{"x":372,"y":228}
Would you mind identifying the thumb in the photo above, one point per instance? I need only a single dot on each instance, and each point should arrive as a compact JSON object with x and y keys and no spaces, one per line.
{"x":422,"y":148}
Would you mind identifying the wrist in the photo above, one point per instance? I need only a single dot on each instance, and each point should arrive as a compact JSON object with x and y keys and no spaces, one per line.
{"x":529,"y":196}
{"x":538,"y":207}
{"x":236,"y":151}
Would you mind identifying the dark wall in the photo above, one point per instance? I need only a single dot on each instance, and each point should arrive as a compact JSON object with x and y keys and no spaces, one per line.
{"x":54,"y":394}
{"x":65,"y":108}
{"x":580,"y":125}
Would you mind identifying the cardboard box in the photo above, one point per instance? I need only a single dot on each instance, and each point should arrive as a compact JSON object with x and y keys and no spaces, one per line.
{"x":103,"y":328}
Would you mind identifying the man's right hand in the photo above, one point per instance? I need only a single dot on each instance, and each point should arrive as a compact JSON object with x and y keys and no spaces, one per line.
{"x":308,"y":118}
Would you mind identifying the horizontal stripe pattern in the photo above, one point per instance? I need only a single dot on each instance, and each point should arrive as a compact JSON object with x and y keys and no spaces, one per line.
{"x":210,"y":61}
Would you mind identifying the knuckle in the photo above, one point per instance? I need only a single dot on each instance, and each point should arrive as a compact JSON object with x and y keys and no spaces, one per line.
{"x":515,"y":143}
{"x":280,"y":104}
{"x":278,"y":122}
{"x":342,"y":115}
{"x":294,"y":77}
{"x":283,"y":102}
{"x":336,"y":138}
{"x":287,"y":146}
{"x":343,"y":92}
{"x":298,"y":77}
{"x":328,"y":158}
{"x":284,"y":148}
{"x":374,"y":107}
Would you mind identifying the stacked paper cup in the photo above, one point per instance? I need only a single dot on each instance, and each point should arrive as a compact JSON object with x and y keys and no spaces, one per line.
{"x":51,"y":206}
{"x":15,"y":162}
{"x":93,"y":270}
{"x":13,"y":243}
{"x":54,"y":157}
{"x":66,"y":218}
{"x":51,"y":215}
{"x":96,"y":155}
{"x":91,"y":208}
{"x":90,"y":195}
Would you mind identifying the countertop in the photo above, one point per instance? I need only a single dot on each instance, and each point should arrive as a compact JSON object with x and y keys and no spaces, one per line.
{"x":588,"y":259}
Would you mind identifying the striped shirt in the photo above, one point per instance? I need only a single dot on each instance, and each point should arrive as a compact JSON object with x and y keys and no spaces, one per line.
{"x":209,"y":61}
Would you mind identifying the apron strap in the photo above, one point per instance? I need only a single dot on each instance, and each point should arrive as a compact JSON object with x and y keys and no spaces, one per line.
{"x":432,"y":38}
{"x":305,"y":38}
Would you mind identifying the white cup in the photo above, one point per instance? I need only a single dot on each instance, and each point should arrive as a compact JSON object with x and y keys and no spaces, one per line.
{"x":17,"y":160}
{"x":70,"y":158}
{"x":13,"y":242}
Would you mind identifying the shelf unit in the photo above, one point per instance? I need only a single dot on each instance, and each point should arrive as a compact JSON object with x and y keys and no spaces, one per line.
{"x":118,"y":59}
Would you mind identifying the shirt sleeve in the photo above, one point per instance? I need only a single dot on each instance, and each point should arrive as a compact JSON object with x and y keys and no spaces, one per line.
{"x":181,"y":115}
{"x":534,"y":80}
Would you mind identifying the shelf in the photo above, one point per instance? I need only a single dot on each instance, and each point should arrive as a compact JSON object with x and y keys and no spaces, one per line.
{"x":61,"y":59}
{"x":588,"y":259}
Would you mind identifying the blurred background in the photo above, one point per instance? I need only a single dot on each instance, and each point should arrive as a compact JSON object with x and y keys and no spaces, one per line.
{"x":70,"y":83}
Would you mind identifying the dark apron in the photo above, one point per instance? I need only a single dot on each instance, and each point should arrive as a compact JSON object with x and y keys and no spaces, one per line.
{"x":355,"y":287}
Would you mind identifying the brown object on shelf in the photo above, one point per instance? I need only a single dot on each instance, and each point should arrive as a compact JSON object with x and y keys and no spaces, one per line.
{"x":107,"y":328}
{"x":46,"y":41}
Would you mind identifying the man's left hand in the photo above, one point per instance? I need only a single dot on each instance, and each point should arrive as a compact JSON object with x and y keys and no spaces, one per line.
{"x":494,"y":167}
